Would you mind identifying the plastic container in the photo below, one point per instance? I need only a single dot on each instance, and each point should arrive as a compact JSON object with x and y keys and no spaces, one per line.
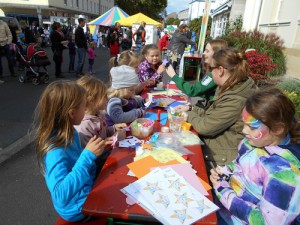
{"x":175,"y":120}
{"x":142,"y":127}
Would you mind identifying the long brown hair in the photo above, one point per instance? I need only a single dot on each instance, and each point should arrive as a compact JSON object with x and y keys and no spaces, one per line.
{"x":235,"y":63}
{"x":53,"y":125}
{"x":273,"y":108}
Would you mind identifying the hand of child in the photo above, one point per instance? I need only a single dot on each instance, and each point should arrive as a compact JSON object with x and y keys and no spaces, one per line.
{"x":161,"y":69}
{"x":109,"y":140}
{"x":215,"y":176}
{"x":170,"y":71}
{"x":182,"y":108}
{"x":150,"y":82}
{"x":96,"y":145}
{"x":120,"y":126}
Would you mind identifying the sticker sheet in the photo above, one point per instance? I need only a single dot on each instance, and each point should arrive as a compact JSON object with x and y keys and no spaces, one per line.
{"x":169,"y":198}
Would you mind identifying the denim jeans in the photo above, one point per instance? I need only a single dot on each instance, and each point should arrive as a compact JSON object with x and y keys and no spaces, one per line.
{"x":81,"y":52}
{"x":138,"y":47}
{"x":7,"y":53}
{"x":72,"y":62}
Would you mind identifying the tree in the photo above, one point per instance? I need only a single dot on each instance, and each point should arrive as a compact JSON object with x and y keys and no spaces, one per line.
{"x":153,"y":9}
{"x":195,"y":25}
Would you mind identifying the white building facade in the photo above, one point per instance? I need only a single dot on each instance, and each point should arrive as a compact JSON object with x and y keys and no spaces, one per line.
{"x":196,"y":8}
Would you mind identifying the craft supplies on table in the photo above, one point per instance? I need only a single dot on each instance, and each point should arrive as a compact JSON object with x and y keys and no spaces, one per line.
{"x":142,"y":127}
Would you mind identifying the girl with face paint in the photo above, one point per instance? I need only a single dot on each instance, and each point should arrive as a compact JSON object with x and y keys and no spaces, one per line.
{"x":263,"y":182}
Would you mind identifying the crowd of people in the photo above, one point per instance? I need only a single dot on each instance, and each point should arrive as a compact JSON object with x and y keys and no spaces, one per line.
{"x":251,"y":136}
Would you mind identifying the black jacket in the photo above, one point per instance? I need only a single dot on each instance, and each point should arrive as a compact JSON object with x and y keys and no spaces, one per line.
{"x":178,"y":42}
{"x":80,"y":38}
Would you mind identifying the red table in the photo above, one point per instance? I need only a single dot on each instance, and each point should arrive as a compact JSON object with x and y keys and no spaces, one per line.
{"x":106,"y":199}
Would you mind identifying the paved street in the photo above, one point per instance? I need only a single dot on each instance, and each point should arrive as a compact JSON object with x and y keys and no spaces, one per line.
{"x":24,"y":197}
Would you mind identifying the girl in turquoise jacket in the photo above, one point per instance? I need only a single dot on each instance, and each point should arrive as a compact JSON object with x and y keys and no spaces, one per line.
{"x":69,"y":169}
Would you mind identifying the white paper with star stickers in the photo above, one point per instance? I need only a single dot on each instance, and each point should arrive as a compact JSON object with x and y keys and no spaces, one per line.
{"x":169,"y":197}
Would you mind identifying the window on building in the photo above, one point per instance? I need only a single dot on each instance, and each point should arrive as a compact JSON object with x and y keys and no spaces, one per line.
{"x":95,"y":8}
{"x":66,"y":2}
{"x":87,"y":5}
{"x":72,"y":3}
{"x":77,"y":3}
{"x":91,"y":6}
{"x":82,"y":4}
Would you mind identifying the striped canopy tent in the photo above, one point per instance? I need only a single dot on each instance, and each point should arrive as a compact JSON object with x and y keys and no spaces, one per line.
{"x":107,"y":19}
{"x":138,"y":18}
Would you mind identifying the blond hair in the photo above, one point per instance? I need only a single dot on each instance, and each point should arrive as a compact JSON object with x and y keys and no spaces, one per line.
{"x":92,"y":44}
{"x":54,"y":127}
{"x":94,"y":88}
{"x":125,"y":58}
{"x":119,"y":93}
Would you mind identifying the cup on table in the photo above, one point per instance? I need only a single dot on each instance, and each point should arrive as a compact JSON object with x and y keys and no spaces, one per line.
{"x":160,"y":85}
{"x":175,"y":122}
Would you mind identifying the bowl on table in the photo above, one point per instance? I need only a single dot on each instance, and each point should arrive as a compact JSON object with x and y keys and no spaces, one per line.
{"x":142,"y":127}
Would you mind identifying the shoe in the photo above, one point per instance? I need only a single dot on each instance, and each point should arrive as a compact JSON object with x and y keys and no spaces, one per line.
{"x":60,"y":76}
{"x":2,"y":81}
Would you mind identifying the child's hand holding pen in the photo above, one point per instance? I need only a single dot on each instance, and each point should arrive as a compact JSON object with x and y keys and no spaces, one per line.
{"x":216,"y":175}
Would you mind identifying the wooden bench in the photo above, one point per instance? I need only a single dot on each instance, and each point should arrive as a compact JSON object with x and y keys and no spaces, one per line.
{"x":97,"y":221}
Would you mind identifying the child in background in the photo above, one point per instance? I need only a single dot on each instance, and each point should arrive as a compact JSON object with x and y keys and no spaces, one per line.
{"x":151,"y":67}
{"x":129,"y":60}
{"x":93,"y":123}
{"x":91,"y":56}
{"x":69,"y":169}
{"x":72,"y":54}
{"x":263,"y":185}
{"x":123,"y":106}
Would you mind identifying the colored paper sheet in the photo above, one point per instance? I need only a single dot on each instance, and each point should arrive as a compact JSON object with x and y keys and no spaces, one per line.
{"x":189,"y":175}
{"x":141,"y":167}
{"x":153,"y":116}
{"x":205,"y":185}
{"x":162,"y":154}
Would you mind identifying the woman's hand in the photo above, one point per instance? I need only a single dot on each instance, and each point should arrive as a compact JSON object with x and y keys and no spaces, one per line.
{"x":120,"y":126}
{"x":170,"y":71}
{"x":182,"y":108}
{"x":96,"y":145}
{"x":215,"y":176}
{"x":161,"y":69}
{"x":149,"y":82}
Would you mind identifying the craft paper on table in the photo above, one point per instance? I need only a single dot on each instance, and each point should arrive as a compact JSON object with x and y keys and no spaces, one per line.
{"x":174,"y":104}
{"x":153,"y":116}
{"x":188,"y":174}
{"x":142,"y":167}
{"x":205,"y":185}
{"x":169,"y":198}
{"x":161,"y":154}
{"x":129,"y":141}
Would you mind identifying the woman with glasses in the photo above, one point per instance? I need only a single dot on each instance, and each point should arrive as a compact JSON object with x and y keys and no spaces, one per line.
{"x":206,"y":87}
{"x":220,"y":123}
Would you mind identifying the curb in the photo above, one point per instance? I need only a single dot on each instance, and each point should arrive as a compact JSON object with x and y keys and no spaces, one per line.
{"x":15,"y":147}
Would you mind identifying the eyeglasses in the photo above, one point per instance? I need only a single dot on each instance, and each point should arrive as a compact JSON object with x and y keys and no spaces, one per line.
{"x":211,"y":68}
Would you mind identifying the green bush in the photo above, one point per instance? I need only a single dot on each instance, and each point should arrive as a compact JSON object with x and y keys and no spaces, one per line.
{"x":292,"y":88}
{"x":269,"y":44}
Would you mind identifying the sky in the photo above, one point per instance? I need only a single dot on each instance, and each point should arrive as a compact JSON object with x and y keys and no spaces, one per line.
{"x":177,"y":5}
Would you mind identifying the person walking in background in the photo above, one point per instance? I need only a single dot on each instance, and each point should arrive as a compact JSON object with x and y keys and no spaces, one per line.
{"x":58,"y":42}
{"x":81,"y":42}
{"x":91,"y":56}
{"x":99,"y":39}
{"x":29,"y":34}
{"x":114,"y":39}
{"x":139,"y":40}
{"x":13,"y":31}
{"x":178,"y":43}
{"x":5,"y":41}
{"x":72,"y":54}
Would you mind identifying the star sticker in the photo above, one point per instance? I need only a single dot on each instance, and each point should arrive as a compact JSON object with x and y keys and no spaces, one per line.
{"x":164,"y":200}
{"x":183,"y":199}
{"x":174,"y":58}
{"x":176,"y":184}
{"x":202,"y":206}
{"x":181,"y":215}
{"x":152,"y":187}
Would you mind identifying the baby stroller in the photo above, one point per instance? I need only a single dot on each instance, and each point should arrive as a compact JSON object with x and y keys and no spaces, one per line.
{"x":33,"y":58}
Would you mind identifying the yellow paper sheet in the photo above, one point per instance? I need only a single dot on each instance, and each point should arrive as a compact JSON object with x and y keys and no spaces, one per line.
{"x":162,"y":155}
